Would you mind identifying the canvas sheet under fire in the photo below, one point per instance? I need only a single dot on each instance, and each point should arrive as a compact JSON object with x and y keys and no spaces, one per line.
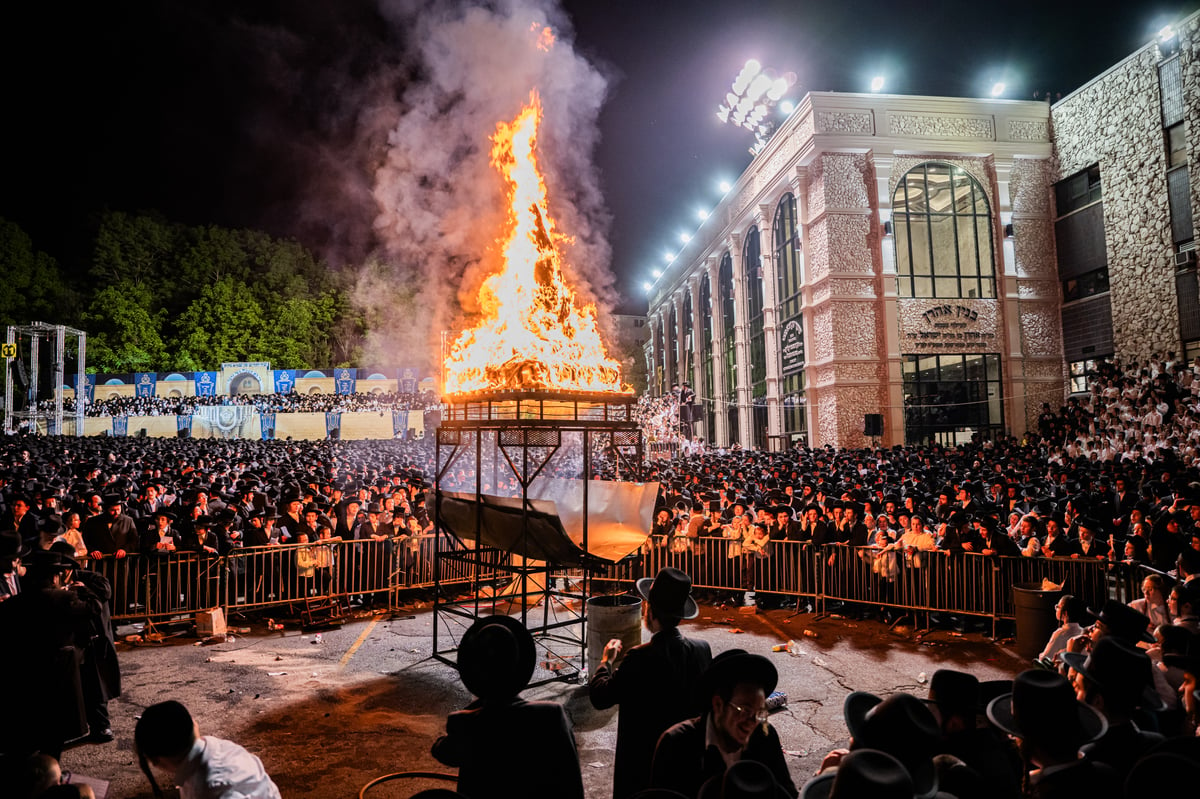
{"x":619,"y":519}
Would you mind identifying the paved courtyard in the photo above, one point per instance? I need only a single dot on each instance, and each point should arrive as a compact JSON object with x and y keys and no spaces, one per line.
{"x":326,"y":716}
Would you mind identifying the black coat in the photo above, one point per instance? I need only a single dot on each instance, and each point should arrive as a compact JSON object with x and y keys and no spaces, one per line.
{"x":490,"y":743}
{"x":682,"y":762}
{"x":655,"y":685}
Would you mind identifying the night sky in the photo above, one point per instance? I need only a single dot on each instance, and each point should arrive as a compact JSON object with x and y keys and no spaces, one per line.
{"x":273,"y":115}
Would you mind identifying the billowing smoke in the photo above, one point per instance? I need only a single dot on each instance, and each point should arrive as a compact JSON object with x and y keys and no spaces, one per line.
{"x":439,"y":200}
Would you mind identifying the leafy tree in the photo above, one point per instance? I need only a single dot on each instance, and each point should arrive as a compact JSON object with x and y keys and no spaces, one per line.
{"x":224,"y":323}
{"x":32,"y":288}
{"x":124,"y":332}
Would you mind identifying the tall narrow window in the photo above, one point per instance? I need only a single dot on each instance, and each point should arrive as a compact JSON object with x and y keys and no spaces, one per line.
{"x":707,"y":389}
{"x":756,"y":336}
{"x":725,"y":286}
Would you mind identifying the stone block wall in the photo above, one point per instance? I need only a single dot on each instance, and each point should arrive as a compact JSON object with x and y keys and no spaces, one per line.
{"x":1116,"y":121}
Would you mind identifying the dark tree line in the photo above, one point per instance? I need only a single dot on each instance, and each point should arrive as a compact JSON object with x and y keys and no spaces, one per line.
{"x":159,"y":296}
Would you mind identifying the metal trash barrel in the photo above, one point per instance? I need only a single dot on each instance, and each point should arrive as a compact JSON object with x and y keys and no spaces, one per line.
{"x":609,"y":617}
{"x":1035,"y":618}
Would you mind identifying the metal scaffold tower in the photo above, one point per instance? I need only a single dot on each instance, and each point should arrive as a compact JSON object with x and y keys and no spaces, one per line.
{"x":23,"y":361}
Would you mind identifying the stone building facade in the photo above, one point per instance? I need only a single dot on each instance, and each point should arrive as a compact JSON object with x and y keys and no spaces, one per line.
{"x":892,"y":269}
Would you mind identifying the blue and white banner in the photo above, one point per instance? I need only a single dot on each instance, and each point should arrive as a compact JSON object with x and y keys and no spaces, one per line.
{"x":333,"y":421}
{"x":344,"y":379}
{"x":206,"y":383}
{"x":144,"y":383}
{"x":53,"y":426}
{"x":89,"y":387}
{"x":285,"y":381}
{"x":407,"y":379}
{"x":267,"y":420}
{"x":120,"y":426}
{"x":400,"y":423}
{"x":183,"y":422}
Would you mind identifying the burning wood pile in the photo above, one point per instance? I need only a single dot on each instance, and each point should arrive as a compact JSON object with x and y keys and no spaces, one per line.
{"x":532,"y":334}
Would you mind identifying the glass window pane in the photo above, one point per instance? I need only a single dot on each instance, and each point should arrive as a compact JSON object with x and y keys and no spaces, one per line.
{"x":900,"y":229}
{"x":940,"y":190}
{"x":975,"y":369}
{"x":946,"y":287}
{"x":918,"y":248}
{"x":923,"y":287}
{"x":993,"y":367}
{"x":968,"y":255}
{"x":983,"y":238}
{"x":912,"y":192}
{"x":945,"y":253}
{"x":904,"y":287}
{"x":927,"y":367}
{"x":909,"y":366}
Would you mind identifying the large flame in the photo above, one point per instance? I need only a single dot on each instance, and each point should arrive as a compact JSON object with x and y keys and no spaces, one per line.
{"x":532,"y":335}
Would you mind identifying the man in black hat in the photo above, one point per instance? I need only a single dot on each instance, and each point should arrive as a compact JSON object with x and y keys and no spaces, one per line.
{"x":112,"y":532}
{"x":1116,"y":679}
{"x":1051,"y":726}
{"x":20,"y":517}
{"x":48,"y":621}
{"x":496,"y":658}
{"x":12,"y":549}
{"x":656,"y":682}
{"x":732,"y":727}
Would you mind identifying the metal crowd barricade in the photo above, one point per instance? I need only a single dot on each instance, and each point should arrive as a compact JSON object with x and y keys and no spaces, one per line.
{"x":161,"y":587}
{"x":964,"y":583}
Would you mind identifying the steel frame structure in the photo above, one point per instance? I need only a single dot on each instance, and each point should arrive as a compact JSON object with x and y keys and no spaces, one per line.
{"x":30,"y":417}
{"x":526,"y":429}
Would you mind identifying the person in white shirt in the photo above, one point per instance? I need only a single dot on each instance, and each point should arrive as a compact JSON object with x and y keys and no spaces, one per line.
{"x":1069,"y":610}
{"x":203,"y":767}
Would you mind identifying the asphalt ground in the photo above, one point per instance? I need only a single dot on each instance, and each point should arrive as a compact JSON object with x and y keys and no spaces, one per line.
{"x":366,"y":699}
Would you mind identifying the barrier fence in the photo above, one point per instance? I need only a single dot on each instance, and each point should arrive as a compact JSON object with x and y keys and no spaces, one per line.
{"x":157,"y":587}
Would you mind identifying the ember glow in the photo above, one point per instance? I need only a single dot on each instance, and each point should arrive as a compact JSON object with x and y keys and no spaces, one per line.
{"x":532,"y":335}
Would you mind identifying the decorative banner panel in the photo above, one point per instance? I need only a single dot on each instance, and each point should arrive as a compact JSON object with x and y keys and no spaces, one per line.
{"x":206,"y":383}
{"x":791,"y":347}
{"x":145,"y":383}
{"x":120,"y":426}
{"x":344,"y":380}
{"x":285,"y":381}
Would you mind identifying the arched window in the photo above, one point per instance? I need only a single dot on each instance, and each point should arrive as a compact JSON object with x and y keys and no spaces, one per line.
{"x":943,"y":227}
{"x":707,"y":388}
{"x":791,"y":325}
{"x":689,"y":346}
{"x":672,"y":348}
{"x":660,"y":358}
{"x":787,"y":257}
{"x":725,"y":286}
{"x":756,"y":336}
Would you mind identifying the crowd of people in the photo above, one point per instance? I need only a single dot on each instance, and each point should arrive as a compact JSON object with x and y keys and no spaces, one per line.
{"x":292,"y":402}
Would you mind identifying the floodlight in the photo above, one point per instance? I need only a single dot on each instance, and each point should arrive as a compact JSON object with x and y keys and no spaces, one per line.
{"x":877,"y":83}
{"x":702,"y":214}
{"x":998,"y":88}
{"x":668,"y":256}
{"x":1166,"y":34}
{"x":657,"y":273}
{"x":685,"y":237}
{"x":724,"y":186}
{"x":646,"y":287}
{"x":787,"y":107}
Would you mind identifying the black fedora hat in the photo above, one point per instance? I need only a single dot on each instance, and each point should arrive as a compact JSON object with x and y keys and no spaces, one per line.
{"x":1124,"y":622}
{"x":669,"y":594}
{"x":901,"y":725}
{"x":862,"y":773}
{"x":955,"y":692}
{"x":734,"y":666}
{"x":11,"y":545}
{"x":745,"y":779}
{"x":496,"y":657}
{"x":1043,"y":707}
{"x":1119,"y":668}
